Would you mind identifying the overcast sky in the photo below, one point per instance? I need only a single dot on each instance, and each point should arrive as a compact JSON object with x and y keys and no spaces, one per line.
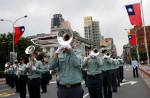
{"x":111,"y":14}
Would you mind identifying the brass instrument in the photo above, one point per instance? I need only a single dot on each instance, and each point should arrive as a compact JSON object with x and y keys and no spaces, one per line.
{"x":64,"y":37}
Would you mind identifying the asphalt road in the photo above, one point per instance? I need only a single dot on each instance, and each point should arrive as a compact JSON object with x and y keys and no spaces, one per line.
{"x":131,"y":88}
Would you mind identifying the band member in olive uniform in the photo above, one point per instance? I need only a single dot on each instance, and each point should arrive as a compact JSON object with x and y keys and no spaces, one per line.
{"x":45,"y":75}
{"x":114,"y":75}
{"x":34,"y":73}
{"x":69,"y":75}
{"x":11,"y":73}
{"x":16,"y":66}
{"x":107,"y":75}
{"x":94,"y":74}
{"x":22,"y":77}
{"x":121,"y":63}
{"x":6,"y":72}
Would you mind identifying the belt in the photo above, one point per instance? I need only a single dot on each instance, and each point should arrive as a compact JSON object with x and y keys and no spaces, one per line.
{"x":94,"y":75}
{"x":34,"y":78}
{"x":69,"y":85}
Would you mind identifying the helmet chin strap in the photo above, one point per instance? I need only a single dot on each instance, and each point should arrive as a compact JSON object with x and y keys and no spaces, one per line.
{"x":106,"y":56}
{"x":92,"y":54}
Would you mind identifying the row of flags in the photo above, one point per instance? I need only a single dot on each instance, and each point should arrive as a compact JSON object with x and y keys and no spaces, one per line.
{"x":134,"y":13}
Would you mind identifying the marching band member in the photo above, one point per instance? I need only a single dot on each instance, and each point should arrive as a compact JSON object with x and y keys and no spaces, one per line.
{"x":45,"y":76}
{"x":114,"y":75}
{"x":69,"y":75}
{"x":15,"y":66}
{"x":107,"y":75}
{"x":118,"y":72}
{"x":34,"y":73}
{"x":6,"y":72}
{"x":22,"y":77}
{"x":11,"y":73}
{"x":121,"y":69}
{"x":94,"y":74}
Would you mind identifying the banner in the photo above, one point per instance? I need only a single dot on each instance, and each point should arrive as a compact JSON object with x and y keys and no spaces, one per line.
{"x":18,"y":33}
{"x":134,"y":13}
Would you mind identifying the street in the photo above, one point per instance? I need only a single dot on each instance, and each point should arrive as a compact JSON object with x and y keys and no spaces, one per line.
{"x":130,"y":88}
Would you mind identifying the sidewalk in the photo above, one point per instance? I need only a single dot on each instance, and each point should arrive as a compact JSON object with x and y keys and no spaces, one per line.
{"x":143,"y":68}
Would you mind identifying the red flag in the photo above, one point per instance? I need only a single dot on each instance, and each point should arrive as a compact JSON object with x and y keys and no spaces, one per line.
{"x":132,"y":39}
{"x":134,"y":12}
{"x":18,"y":32}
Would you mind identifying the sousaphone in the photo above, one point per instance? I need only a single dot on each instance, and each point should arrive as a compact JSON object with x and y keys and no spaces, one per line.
{"x":64,"y":37}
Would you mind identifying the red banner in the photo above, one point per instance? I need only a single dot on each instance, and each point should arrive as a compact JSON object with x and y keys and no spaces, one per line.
{"x":18,"y":33}
{"x":134,"y":12}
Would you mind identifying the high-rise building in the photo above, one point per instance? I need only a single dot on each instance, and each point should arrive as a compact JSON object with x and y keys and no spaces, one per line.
{"x":108,"y":43}
{"x":96,"y":33}
{"x":91,"y":29}
{"x":56,"y":21}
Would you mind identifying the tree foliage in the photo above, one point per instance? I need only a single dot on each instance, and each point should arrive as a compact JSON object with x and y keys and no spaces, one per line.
{"x":6,"y":46}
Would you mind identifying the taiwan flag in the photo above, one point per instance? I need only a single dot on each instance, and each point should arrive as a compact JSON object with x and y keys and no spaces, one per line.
{"x":134,"y":12}
{"x":132,"y":39}
{"x":18,"y":33}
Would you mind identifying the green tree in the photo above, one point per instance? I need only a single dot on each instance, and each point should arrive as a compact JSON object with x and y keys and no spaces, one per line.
{"x":6,"y":47}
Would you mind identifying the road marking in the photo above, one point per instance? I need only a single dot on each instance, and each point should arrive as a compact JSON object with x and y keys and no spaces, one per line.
{"x":4,"y":90}
{"x":87,"y":94}
{"x":2,"y":95}
{"x":124,"y":80}
{"x":129,"y":82}
{"x":52,"y":82}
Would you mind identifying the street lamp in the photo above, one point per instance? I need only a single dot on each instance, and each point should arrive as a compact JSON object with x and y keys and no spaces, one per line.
{"x":13,"y":26}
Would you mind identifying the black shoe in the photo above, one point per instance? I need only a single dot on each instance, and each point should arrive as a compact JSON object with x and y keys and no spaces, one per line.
{"x":44,"y":92}
{"x":115,"y":91}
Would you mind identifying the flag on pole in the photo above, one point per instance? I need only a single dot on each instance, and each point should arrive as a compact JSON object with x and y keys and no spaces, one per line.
{"x":18,"y":33}
{"x":132,"y":39}
{"x":134,"y":12}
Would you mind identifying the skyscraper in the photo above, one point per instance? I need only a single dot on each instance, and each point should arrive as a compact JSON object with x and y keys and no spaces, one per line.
{"x":56,"y":21}
{"x":91,"y":29}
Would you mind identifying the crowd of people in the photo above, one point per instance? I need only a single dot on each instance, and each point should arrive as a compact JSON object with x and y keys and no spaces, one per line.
{"x":33,"y":73}
{"x":102,"y":74}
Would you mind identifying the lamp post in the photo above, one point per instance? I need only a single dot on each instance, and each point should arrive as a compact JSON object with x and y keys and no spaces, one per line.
{"x":13,"y":26}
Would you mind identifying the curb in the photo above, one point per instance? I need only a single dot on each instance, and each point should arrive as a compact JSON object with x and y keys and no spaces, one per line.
{"x":145,"y":72}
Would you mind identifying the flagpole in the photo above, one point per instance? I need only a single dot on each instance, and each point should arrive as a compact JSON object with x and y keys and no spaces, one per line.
{"x":137,"y":46}
{"x":145,"y":35}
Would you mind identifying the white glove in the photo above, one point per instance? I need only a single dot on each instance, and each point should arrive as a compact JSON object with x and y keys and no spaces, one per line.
{"x":59,"y":50}
{"x":67,"y":46}
{"x":20,"y":69}
{"x":33,"y":68}
{"x":50,"y":71}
